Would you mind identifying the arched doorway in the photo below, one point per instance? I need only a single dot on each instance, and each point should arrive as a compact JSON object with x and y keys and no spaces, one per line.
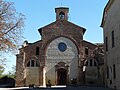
{"x":91,"y":72}
{"x":61,"y":77}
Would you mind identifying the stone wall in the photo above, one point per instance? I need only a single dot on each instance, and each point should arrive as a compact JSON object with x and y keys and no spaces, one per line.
{"x":112,"y":23}
{"x":52,"y":35}
{"x":69,"y":57}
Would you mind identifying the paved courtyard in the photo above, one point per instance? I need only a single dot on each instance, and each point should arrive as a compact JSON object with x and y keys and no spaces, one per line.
{"x":59,"y":88}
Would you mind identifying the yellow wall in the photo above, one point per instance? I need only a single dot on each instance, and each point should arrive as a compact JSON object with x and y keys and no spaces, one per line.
{"x":32,"y":75}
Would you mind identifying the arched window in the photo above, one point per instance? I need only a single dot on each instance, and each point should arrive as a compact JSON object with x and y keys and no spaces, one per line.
{"x":32,"y":63}
{"x":91,"y":63}
{"x":37,"y":50}
{"x":86,"y":64}
{"x":61,"y":15}
{"x":95,"y":63}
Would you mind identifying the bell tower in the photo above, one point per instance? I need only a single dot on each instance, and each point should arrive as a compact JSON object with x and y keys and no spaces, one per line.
{"x":61,"y":13}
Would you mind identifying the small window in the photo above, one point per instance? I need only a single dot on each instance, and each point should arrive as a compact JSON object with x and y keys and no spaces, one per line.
{"x":86,"y":64}
{"x":28,"y":64}
{"x":95,"y":64}
{"x":113,"y":42}
{"x":61,"y":15}
{"x":114,"y":71}
{"x":106,"y":43}
{"x":107,"y":72}
{"x":91,"y":62}
{"x":110,"y":81}
{"x":86,"y":50}
{"x":32,"y":63}
{"x":37,"y":50}
{"x":37,"y":64}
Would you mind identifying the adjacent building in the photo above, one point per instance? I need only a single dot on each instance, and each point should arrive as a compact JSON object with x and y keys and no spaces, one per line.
{"x":111,"y":29}
{"x":60,"y":56}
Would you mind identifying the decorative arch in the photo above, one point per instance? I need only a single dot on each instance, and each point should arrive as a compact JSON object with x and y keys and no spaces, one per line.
{"x":91,"y":72}
{"x":33,"y":67}
{"x":93,"y":60}
{"x":60,"y":65}
{"x":35,"y":58}
{"x":46,"y":44}
{"x":61,"y":70}
{"x":49,"y":41}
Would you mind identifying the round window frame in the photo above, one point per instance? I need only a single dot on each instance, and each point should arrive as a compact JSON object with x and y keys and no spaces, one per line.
{"x":62,"y":46}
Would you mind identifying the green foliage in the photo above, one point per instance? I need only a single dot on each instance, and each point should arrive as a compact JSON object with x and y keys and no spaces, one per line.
{"x":10,"y":74}
{"x":1,"y":71}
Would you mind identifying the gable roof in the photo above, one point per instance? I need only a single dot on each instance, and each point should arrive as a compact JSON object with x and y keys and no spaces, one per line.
{"x":63,"y":22}
{"x":89,"y":44}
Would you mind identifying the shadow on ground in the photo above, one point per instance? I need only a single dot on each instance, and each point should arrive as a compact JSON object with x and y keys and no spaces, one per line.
{"x":59,"y":88}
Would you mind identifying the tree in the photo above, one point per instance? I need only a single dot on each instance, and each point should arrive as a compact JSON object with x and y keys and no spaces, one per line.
{"x":11,"y":73}
{"x":1,"y":71}
{"x":11,"y":26}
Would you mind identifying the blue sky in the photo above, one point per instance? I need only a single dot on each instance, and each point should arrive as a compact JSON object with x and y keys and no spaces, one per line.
{"x":38,"y":13}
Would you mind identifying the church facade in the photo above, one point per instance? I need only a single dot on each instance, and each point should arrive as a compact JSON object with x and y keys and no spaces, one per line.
{"x":60,"y":56}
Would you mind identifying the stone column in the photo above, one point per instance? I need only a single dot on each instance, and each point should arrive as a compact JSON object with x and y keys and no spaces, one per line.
{"x":44,"y":76}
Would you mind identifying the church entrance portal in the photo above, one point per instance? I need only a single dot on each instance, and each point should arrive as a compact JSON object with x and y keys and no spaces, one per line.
{"x":61,"y":77}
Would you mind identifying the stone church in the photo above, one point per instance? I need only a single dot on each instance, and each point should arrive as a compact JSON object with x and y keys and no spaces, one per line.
{"x":60,"y":56}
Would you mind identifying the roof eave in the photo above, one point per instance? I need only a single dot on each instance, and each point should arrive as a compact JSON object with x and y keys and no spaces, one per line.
{"x":110,"y":2}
